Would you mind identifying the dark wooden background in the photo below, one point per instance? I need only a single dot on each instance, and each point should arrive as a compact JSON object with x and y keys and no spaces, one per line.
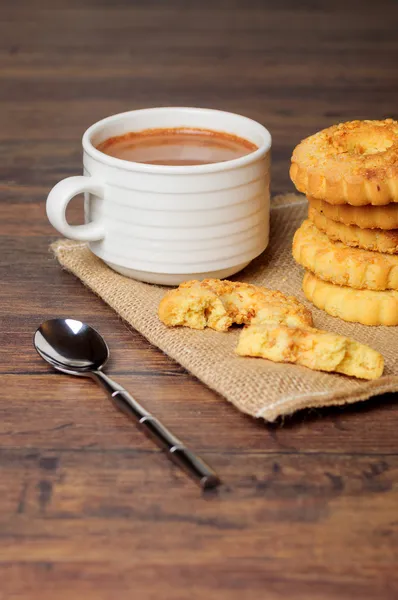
{"x":89,"y":509}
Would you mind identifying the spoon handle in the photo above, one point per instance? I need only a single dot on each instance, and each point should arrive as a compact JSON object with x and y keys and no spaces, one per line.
{"x":187,"y":460}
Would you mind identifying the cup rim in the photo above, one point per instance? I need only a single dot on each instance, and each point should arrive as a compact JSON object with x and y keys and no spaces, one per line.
{"x":111,"y":161}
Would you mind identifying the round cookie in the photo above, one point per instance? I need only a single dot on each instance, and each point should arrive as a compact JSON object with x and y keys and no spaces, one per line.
{"x":339,"y":264}
{"x":356,"y":306}
{"x":351,"y":163}
{"x":365,"y":217}
{"x":376,"y":240}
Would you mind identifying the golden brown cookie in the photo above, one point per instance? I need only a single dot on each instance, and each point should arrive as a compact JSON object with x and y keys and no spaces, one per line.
{"x":339,"y":264}
{"x":376,"y":240}
{"x":356,"y":306}
{"x":219,"y":303}
{"x":365,"y":217}
{"x":312,"y":348}
{"x":350,"y":163}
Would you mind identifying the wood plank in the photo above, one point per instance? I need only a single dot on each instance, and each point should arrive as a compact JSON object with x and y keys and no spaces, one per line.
{"x":68,"y":412}
{"x":73,"y":509}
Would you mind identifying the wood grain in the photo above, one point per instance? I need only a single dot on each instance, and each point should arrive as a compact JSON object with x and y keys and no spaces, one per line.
{"x":89,"y":508}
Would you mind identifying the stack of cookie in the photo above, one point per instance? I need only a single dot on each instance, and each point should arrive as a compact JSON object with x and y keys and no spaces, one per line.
{"x":349,"y":243}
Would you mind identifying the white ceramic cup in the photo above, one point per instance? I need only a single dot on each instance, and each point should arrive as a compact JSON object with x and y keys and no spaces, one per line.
{"x":166,"y":224}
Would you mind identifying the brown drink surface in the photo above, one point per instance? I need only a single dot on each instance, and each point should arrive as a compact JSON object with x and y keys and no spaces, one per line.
{"x":177,"y":147}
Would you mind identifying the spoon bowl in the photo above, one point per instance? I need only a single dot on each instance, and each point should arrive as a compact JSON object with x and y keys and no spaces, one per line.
{"x":71,"y":346}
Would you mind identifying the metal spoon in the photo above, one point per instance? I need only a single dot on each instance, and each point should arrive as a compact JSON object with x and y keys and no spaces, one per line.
{"x":75,"y":348}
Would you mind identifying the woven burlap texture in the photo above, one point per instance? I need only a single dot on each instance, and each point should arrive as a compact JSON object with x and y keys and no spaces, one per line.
{"x":255,"y":386}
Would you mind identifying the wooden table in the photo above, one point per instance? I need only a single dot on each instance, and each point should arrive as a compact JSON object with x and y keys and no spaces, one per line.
{"x":89,"y":509}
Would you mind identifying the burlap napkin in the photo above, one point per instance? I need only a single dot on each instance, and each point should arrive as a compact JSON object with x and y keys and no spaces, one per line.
{"x":255,"y":386}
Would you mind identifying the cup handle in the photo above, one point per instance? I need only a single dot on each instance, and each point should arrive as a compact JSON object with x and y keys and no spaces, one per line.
{"x":58,"y":200}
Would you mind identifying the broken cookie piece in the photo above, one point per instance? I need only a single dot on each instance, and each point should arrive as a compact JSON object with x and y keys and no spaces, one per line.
{"x":313,"y":348}
{"x":219,"y":303}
